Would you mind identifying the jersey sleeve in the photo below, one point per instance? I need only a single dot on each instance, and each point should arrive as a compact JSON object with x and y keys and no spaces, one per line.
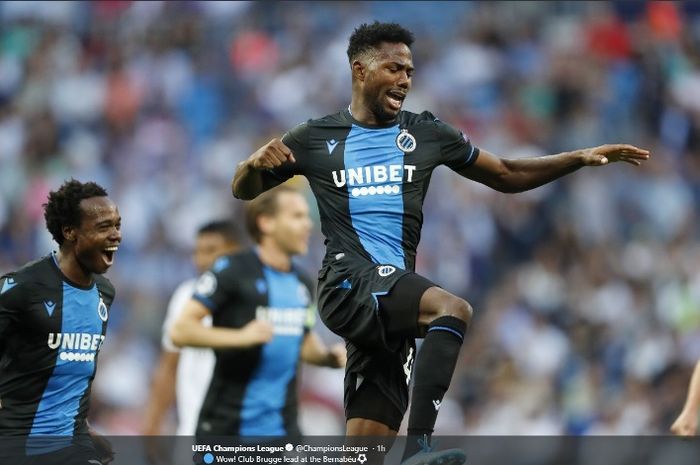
{"x":12,"y":300}
{"x":216,"y":287}
{"x":456,"y":150}
{"x":297,"y":141}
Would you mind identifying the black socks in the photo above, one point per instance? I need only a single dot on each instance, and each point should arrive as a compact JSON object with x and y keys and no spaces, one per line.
{"x":434,"y":366}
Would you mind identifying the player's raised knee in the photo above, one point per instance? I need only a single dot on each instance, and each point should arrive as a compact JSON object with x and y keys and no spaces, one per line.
{"x":462,"y":309}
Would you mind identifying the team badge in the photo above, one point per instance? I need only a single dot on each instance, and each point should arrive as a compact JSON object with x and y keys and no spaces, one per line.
{"x":102,"y":310}
{"x":405,"y":141}
{"x":385,"y":270}
{"x":206,"y":285}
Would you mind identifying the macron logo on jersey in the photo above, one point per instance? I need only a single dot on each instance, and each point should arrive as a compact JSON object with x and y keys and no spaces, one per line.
{"x":7,"y":285}
{"x":331,"y":144}
{"x":50,"y":306}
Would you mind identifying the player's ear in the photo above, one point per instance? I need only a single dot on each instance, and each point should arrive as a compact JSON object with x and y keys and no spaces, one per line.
{"x":69,"y":233}
{"x":265,"y":224}
{"x":359,"y":70}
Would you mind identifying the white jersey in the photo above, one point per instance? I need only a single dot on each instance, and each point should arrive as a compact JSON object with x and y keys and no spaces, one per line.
{"x":195,"y":368}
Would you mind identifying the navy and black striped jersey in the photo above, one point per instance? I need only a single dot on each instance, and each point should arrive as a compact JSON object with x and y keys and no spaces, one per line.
{"x":370,"y":182}
{"x":51,"y":331}
{"x":253,"y":391}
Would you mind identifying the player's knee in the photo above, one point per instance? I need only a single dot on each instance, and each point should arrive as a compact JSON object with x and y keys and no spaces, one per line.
{"x":458,"y":308}
{"x":463,"y":310}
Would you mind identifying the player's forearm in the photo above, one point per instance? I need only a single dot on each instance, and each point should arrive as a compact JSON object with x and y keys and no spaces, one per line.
{"x":194,"y":334}
{"x":528,"y":173}
{"x":247,"y":182}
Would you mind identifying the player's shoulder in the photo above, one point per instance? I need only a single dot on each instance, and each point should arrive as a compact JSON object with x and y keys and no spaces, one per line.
{"x":334,"y":120}
{"x":105,"y":286}
{"x":408,"y":118}
{"x":239,"y":262}
{"x":33,"y":272}
{"x":28,"y":279}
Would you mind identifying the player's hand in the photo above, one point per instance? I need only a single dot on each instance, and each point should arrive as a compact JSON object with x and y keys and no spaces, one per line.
{"x":337,"y":356}
{"x":271,"y":155}
{"x":255,"y":333}
{"x":686,"y":424}
{"x":610,"y":153}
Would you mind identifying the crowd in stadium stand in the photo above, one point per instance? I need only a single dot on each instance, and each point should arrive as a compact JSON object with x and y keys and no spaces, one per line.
{"x":586,"y":291}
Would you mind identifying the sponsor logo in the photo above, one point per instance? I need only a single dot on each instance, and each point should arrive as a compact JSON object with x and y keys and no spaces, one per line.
{"x":284,"y":321}
{"x":206,"y":284}
{"x":50,"y":307}
{"x":331,"y":144}
{"x":374,"y":179}
{"x":437,"y":404}
{"x":405,"y":141}
{"x":7,"y":285}
{"x":75,"y":341}
{"x":385,"y":270}
{"x":102,"y":310}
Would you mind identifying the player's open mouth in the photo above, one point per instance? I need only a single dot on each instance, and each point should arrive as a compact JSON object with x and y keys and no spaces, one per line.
{"x":395,"y":99}
{"x":108,"y":254}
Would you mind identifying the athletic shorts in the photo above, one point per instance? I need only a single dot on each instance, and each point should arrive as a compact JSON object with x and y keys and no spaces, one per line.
{"x":71,"y":455}
{"x":375,"y":309}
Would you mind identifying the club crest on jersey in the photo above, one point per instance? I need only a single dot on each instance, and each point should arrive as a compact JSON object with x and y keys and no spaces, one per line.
{"x":385,"y":270}
{"x":206,"y":285}
{"x":102,"y":310}
{"x":405,"y":141}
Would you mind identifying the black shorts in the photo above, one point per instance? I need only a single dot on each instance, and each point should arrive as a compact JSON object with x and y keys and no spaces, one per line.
{"x":71,"y":455}
{"x":375,"y":309}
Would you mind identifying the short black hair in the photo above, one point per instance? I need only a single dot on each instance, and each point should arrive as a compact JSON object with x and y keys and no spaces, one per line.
{"x":224,"y":228}
{"x":367,"y":36}
{"x":63,"y":206}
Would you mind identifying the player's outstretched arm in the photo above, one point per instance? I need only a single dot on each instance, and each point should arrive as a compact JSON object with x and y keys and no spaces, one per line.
{"x":687,"y":422}
{"x":188,"y":330}
{"x":518,"y":175}
{"x":315,"y":352}
{"x":248,"y":181}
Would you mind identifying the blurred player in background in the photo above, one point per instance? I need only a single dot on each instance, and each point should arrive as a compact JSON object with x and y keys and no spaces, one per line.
{"x":183,"y":375}
{"x":369,"y":167}
{"x":53,"y":321}
{"x":687,"y":422}
{"x":263,"y":312}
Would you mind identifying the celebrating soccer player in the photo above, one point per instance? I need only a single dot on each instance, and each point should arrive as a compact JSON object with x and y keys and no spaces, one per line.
{"x":53,"y":320}
{"x":369,"y":167}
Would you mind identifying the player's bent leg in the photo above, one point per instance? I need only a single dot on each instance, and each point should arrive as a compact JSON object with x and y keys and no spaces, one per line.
{"x":446,"y":318}
{"x":436,"y":302}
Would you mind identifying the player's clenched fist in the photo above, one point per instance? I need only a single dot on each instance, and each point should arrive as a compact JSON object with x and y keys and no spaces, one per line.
{"x":271,"y":155}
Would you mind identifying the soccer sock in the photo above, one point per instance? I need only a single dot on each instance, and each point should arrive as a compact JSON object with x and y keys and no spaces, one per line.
{"x":435,"y":364}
